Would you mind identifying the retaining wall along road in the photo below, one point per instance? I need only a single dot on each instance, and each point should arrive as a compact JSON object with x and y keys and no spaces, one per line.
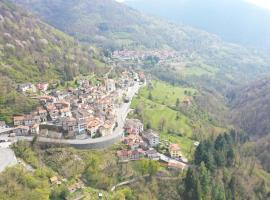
{"x":97,"y":143}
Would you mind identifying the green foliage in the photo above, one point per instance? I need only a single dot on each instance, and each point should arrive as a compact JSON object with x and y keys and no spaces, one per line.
{"x":216,"y":175}
{"x":65,"y":162}
{"x":59,"y":193}
{"x":217,"y":154}
{"x":218,"y":192}
{"x":150,"y":97}
{"x":147,"y":167}
{"x":249,"y":109}
{"x":31,"y":51}
{"x":23,"y":150}
{"x":205,"y":180}
{"x":259,"y":149}
{"x":16,"y":183}
{"x":179,"y":124}
{"x":192,"y":186}
{"x":125,"y":194}
{"x":11,"y":102}
{"x":177,"y":102}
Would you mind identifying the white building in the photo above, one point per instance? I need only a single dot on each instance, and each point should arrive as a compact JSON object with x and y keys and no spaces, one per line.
{"x":110,"y":85}
{"x":152,"y":138}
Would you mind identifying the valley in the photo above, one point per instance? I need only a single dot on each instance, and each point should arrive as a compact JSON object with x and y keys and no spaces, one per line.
{"x":101,"y":101}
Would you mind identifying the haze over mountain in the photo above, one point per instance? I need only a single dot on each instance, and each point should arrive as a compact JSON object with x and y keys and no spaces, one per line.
{"x":238,"y":21}
{"x":114,"y":25}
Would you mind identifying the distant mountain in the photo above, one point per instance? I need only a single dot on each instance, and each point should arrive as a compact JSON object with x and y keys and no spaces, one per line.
{"x":234,"y":21}
{"x":113,"y":25}
{"x":250,"y":107}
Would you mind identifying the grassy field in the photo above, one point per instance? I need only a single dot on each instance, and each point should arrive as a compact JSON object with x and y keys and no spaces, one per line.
{"x":164,"y":93}
{"x":154,"y":113}
{"x":199,"y":69}
{"x":157,"y":109}
{"x":156,"y":105}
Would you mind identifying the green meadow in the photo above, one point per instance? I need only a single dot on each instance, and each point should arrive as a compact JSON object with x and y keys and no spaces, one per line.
{"x":155,"y":104}
{"x":160,"y":106}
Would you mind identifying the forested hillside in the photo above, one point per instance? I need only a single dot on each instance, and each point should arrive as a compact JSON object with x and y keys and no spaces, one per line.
{"x":115,"y":26}
{"x":223,"y":171}
{"x":250,"y":107}
{"x":32,"y":51}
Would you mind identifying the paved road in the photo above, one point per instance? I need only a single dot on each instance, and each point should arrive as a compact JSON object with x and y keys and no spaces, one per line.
{"x":122,"y":113}
{"x":7,"y":158}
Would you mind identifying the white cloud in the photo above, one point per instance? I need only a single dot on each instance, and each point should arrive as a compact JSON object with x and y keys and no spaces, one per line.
{"x":261,"y":3}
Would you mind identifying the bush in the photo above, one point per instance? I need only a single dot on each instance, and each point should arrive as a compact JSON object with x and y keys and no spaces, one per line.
{"x":23,"y":150}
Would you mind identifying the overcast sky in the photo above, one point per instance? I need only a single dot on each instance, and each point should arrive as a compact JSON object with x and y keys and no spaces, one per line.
{"x":261,"y":3}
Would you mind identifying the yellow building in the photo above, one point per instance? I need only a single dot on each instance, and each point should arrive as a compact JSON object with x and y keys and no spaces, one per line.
{"x":174,"y":150}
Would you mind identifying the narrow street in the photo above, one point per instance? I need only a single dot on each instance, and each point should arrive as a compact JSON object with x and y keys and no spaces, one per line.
{"x":124,"y":109}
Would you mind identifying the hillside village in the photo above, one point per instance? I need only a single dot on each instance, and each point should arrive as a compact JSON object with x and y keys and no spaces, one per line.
{"x":143,"y":143}
{"x":91,"y":111}
{"x":88,"y":110}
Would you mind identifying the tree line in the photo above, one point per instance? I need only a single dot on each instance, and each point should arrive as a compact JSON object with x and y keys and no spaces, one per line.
{"x":219,"y":173}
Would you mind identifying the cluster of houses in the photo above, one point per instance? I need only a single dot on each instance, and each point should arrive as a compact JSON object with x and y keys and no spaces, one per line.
{"x":29,"y":87}
{"x":142,"y":144}
{"x":128,"y":54}
{"x":162,"y":57}
{"x":87,"y":109}
{"x":170,"y":59}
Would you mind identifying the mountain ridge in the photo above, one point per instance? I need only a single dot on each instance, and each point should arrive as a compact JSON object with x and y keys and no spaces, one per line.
{"x":234,"y":21}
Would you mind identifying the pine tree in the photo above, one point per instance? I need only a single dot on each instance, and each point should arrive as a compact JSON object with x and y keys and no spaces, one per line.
{"x":192,"y":189}
{"x":218,"y":192}
{"x":205,"y":180}
{"x":150,"y":97}
{"x":177,"y":102}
